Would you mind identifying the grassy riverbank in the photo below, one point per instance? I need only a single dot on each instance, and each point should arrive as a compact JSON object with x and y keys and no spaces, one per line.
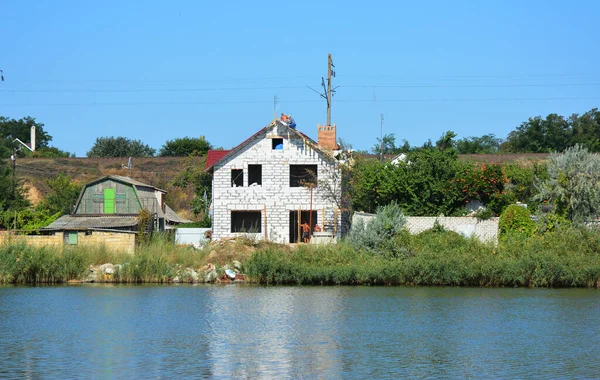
{"x":569,"y":258}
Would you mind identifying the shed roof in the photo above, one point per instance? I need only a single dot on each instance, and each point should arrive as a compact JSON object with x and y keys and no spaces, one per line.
{"x":172,"y":216}
{"x":72,"y":222}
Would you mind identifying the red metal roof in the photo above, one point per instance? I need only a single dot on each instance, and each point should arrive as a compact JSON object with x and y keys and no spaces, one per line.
{"x":213,"y":156}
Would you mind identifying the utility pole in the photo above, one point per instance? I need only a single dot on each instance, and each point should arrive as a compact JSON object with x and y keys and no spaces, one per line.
{"x":381,"y":138}
{"x":328,"y":91}
{"x":329,"y":73}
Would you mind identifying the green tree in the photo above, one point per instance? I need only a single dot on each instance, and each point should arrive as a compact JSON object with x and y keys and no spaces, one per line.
{"x":185,"y":146}
{"x":586,"y":130}
{"x":52,"y":152}
{"x":387,"y":145}
{"x":520,"y":180}
{"x":120,"y":147}
{"x":193,"y":177}
{"x":11,"y":129}
{"x":446,"y":141}
{"x":573,"y":184}
{"x":478,"y":145}
{"x":62,"y":195}
{"x":420,"y":186}
{"x":537,"y":135}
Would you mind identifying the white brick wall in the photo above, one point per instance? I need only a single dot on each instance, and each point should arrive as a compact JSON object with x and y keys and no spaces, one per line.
{"x":275,"y":192}
{"x":484,"y":230}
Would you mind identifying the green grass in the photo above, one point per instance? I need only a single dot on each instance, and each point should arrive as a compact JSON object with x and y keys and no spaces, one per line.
{"x":567,"y":258}
{"x":562,"y":259}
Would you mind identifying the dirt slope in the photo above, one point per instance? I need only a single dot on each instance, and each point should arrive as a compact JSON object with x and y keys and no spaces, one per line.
{"x":156,"y":171}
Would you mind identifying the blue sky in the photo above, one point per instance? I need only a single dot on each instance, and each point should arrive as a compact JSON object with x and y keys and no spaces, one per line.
{"x":159,"y":70}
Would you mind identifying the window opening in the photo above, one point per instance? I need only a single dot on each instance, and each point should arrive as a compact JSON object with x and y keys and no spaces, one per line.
{"x":300,"y":175}
{"x":237,"y":177}
{"x":277,"y":144}
{"x":254,"y":175}
{"x":246,"y":221}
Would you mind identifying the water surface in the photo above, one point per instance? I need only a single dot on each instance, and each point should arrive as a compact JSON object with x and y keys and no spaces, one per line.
{"x":110,"y":331}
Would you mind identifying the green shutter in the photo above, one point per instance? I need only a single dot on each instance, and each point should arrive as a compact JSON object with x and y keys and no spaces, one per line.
{"x":109,"y":201}
{"x":72,"y":238}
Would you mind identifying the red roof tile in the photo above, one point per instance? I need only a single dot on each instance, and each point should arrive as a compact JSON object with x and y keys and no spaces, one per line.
{"x":213,"y":156}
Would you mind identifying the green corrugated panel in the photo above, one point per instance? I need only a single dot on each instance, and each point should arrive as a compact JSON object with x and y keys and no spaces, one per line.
{"x":109,"y":201}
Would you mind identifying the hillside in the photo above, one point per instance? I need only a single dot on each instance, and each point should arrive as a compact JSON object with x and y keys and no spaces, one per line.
{"x":160,"y":172}
{"x":156,"y":171}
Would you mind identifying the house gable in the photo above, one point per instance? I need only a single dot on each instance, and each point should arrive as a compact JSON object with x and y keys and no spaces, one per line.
{"x":118,"y":195}
{"x":255,"y":178}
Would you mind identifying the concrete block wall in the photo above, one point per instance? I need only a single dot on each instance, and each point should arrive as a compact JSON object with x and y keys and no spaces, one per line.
{"x":114,"y":241}
{"x":484,"y":230}
{"x":37,"y":241}
{"x":274,"y":198}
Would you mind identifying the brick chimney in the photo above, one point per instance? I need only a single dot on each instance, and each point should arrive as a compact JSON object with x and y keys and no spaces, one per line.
{"x":327,"y":137}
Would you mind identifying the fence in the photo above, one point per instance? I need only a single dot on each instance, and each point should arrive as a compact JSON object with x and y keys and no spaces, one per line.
{"x":484,"y":230}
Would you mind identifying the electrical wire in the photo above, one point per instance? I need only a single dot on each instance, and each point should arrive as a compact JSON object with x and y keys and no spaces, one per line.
{"x":215,"y":102}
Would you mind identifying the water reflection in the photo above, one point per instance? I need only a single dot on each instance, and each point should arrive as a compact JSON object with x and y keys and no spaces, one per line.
{"x":102,"y":331}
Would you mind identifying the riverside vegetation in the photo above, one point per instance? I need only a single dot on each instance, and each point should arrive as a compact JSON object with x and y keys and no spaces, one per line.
{"x":561,"y":257}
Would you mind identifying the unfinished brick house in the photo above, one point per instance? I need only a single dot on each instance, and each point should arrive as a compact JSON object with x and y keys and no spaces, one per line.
{"x":262,"y":187}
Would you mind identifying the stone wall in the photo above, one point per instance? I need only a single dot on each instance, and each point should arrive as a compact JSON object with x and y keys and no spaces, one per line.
{"x":484,"y":230}
{"x":114,"y":241}
{"x":274,"y":198}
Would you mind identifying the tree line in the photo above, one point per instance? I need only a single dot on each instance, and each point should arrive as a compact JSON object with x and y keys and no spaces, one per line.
{"x":554,"y":133}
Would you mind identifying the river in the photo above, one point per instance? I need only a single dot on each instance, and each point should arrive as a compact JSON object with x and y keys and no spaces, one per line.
{"x":243,"y":331}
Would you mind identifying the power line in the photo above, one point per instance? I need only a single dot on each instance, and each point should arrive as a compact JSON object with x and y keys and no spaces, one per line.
{"x":531,"y":75}
{"x":181,"y":80}
{"x":152,"y":89}
{"x":297,"y":87}
{"x":473,"y":85}
{"x":250,"y":79}
{"x":294,"y":101}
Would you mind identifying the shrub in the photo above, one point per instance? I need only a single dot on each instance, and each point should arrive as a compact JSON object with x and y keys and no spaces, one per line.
{"x":378,"y":235}
{"x":516,"y":219}
{"x":573,"y":184}
{"x":549,"y":222}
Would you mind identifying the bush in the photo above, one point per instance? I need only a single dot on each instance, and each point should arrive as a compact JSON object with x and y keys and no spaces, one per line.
{"x":516,"y":219}
{"x":378,"y":235}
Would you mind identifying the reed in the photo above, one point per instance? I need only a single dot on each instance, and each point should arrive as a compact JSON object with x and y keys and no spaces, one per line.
{"x":568,"y":258}
{"x":561,"y":258}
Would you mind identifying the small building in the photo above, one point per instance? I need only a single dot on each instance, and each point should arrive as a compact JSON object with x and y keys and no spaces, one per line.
{"x":274,"y":181}
{"x":108,"y":208}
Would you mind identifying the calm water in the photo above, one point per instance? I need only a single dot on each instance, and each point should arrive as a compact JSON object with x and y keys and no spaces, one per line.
{"x":103,"y":331}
